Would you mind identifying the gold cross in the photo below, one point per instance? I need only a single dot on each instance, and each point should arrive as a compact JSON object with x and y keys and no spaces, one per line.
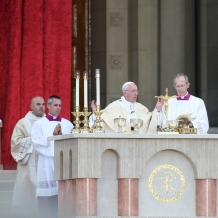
{"x":166,"y":97}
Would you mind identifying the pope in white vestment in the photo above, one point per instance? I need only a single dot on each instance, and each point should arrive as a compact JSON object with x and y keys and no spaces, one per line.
{"x":128,"y":108}
{"x":24,"y":198}
{"x":41,"y":130}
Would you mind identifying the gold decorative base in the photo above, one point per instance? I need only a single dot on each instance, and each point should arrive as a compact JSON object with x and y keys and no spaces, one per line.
{"x":168,"y":130}
{"x":95,"y":130}
{"x":75,"y":131}
{"x":187,"y":130}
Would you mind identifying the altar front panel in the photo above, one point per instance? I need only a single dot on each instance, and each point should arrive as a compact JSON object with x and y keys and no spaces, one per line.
{"x":173,"y":161}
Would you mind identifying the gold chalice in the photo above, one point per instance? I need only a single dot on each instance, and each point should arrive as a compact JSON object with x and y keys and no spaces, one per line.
{"x":120,"y":123}
{"x":136,"y":124}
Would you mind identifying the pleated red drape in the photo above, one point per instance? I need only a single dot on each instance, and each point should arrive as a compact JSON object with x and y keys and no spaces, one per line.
{"x":35,"y":59}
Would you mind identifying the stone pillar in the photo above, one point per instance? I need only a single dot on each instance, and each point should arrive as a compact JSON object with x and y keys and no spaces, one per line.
{"x":206,"y":197}
{"x":98,"y":48}
{"x":78,"y":199}
{"x":148,"y":52}
{"x":207,"y":51}
{"x":116,"y":48}
{"x":177,"y":42}
{"x":128,"y":200}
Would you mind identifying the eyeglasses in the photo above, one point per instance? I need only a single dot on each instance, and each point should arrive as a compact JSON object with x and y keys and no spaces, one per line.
{"x":133,"y":91}
{"x":182,"y":86}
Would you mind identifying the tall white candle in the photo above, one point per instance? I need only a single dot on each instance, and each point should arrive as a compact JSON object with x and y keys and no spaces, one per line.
{"x":85,"y":89}
{"x":97,"y":75}
{"x":77,"y":87}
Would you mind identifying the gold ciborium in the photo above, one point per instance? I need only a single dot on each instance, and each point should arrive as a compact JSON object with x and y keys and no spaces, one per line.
{"x":120,"y":123}
{"x":136,"y":124}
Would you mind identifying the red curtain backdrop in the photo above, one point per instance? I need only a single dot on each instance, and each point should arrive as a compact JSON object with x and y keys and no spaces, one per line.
{"x":35,"y":59}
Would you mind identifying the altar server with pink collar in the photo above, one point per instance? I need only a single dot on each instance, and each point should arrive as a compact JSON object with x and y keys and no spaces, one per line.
{"x":51,"y":124}
{"x":188,"y":104}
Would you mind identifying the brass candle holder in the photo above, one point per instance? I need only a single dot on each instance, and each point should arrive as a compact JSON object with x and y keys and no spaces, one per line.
{"x":85,"y":128}
{"x":77,"y":121}
{"x":97,"y":127}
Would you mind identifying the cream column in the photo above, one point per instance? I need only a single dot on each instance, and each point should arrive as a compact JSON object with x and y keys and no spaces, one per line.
{"x":177,"y":42}
{"x":148,"y":52}
{"x":116,"y":48}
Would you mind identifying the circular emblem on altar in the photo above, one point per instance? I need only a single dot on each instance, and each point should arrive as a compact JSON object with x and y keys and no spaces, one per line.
{"x":166,"y":183}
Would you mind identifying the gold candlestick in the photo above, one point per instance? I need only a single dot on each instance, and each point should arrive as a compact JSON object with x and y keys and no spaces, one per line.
{"x":97,"y":127}
{"x":77,"y":121}
{"x":85,"y":128}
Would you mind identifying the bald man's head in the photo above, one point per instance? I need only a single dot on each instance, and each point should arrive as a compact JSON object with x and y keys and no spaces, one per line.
{"x":37,"y":105}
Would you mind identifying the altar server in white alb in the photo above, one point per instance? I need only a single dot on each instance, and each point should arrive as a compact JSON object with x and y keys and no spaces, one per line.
{"x":24,"y":197}
{"x":52,"y":124}
{"x":186,"y":103}
{"x":128,"y":108}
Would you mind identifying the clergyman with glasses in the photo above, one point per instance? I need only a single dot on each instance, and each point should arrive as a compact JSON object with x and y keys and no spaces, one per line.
{"x":128,"y":108}
{"x":186,"y":103}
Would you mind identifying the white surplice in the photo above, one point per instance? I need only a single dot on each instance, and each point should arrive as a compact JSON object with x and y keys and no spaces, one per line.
{"x":24,"y":197}
{"x":128,"y":110}
{"x":43,"y":128}
{"x":195,"y":106}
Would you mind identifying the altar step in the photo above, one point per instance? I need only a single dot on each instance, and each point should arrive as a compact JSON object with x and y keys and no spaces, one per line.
{"x":7,"y":181}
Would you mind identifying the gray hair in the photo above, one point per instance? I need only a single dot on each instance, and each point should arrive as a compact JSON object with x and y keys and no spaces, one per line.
{"x":125,"y":85}
{"x":180,"y":75}
{"x":50,"y":99}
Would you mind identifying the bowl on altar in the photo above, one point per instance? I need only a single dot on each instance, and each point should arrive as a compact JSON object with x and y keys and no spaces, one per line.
{"x":136,"y":124}
{"x":173,"y":123}
{"x":120,"y":123}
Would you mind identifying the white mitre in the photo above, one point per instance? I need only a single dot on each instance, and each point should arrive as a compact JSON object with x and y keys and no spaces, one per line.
{"x":125,"y":84}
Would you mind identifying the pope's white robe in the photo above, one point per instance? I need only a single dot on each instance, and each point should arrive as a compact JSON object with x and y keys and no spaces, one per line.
{"x":24,"y":197}
{"x":124,"y":109}
{"x":195,"y":106}
{"x":43,"y":128}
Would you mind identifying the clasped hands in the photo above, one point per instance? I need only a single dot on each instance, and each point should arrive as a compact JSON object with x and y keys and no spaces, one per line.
{"x":57,"y":130}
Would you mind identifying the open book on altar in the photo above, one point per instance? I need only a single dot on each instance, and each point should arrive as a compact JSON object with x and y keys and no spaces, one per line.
{"x":186,"y":116}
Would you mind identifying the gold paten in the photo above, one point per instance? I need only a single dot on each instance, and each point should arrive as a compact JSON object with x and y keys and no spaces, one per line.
{"x":128,"y":132}
{"x":166,"y":189}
